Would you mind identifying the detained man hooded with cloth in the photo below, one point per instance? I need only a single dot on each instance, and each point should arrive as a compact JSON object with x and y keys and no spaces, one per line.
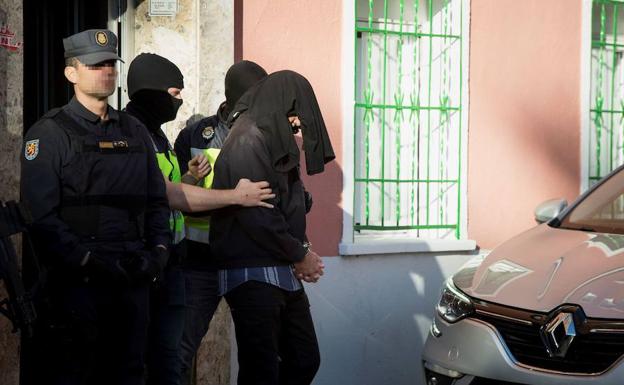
{"x":263,"y":253}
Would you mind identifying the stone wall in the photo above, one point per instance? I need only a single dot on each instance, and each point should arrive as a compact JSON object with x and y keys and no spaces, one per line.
{"x":200,"y":40}
{"x":10,"y":143}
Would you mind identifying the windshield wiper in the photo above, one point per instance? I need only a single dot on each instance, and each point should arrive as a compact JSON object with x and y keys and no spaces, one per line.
{"x":555,"y":222}
{"x":584,"y":228}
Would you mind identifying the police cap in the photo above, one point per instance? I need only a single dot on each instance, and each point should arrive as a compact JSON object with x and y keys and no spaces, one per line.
{"x":92,"y":46}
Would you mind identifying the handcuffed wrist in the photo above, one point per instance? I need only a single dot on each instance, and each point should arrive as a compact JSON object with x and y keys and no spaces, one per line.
{"x":306,"y":246}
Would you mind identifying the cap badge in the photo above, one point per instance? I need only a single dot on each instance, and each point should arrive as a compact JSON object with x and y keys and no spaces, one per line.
{"x":101,"y":38}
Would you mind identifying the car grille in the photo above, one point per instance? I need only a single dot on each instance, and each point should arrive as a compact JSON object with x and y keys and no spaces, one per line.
{"x":590,"y":353}
{"x":486,"y":381}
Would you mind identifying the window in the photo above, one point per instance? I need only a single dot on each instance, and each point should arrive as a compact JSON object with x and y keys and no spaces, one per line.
{"x":408,"y":118}
{"x":606,"y":133}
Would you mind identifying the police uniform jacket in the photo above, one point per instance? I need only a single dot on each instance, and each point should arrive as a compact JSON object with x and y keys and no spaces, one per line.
{"x":92,"y":185}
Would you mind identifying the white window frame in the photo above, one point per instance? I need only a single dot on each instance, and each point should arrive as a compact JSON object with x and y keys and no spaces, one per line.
{"x":585,"y":91}
{"x":381,"y":243}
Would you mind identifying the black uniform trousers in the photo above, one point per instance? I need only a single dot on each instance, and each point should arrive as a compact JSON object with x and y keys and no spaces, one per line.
{"x":93,"y":334}
{"x":166,"y":328}
{"x":275,"y":335}
{"x":202,"y":300}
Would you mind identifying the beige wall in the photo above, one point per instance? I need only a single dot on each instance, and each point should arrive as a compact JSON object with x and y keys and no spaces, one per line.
{"x":10,"y":144}
{"x":199,"y":40}
{"x":305,"y":36}
{"x":524,"y":117}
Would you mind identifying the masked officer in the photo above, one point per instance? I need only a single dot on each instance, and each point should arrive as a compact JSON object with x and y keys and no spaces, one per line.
{"x":150,"y":77}
{"x":101,"y":223}
{"x":203,"y":140}
{"x":155,"y":87}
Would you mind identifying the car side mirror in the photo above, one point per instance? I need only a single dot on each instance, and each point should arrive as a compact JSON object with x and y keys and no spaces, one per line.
{"x":550,"y":209}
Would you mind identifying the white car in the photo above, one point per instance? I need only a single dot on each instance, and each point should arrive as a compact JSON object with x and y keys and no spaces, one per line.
{"x":544,"y":308}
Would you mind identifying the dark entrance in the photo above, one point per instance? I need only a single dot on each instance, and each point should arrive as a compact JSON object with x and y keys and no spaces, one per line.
{"x":46,"y":23}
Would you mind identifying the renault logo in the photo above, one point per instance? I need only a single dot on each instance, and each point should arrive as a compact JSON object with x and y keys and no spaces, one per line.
{"x":558,"y":334}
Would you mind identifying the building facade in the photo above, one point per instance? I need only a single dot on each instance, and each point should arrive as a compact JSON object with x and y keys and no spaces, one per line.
{"x":451,"y":121}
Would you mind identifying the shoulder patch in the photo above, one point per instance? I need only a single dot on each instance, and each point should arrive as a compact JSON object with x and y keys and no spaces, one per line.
{"x":31,"y":149}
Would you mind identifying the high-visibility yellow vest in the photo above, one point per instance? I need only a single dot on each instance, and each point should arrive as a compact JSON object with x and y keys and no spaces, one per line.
{"x":170,"y":168}
{"x":198,"y":228}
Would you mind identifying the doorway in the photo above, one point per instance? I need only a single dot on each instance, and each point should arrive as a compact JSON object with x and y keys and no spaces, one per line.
{"x":46,"y":23}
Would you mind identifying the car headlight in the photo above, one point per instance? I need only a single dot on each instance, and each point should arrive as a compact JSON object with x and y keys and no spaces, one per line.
{"x":454,"y":305}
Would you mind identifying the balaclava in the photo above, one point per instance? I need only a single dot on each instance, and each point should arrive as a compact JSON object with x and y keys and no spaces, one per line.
{"x":239,"y":78}
{"x":149,"y":78}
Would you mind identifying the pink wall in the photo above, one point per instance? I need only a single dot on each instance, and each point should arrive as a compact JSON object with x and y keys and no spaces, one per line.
{"x":304,"y":36}
{"x":524,"y":117}
{"x":524,"y":113}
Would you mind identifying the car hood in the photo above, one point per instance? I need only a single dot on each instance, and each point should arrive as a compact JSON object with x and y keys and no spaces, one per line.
{"x":545,"y":267}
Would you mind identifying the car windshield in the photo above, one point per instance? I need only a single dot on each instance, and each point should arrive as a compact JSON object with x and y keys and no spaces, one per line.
{"x":602,"y":210}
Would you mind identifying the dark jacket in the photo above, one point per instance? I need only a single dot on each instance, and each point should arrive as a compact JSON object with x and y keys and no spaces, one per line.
{"x":112,"y":189}
{"x":257,"y":236}
{"x":209,"y":132}
{"x":191,"y":137}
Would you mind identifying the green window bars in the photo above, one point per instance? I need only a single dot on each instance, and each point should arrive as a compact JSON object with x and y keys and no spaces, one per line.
{"x":606,"y":137}
{"x":408,"y":117}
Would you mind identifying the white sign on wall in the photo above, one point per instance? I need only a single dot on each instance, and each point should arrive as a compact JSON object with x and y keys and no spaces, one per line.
{"x":163,"y":7}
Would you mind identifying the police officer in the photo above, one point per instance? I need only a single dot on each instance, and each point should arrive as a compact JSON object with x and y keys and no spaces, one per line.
{"x":203,"y":140}
{"x":150,"y":77}
{"x":155,"y":87}
{"x":101,"y":223}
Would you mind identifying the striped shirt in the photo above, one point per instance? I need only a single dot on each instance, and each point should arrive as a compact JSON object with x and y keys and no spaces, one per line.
{"x":280,"y":276}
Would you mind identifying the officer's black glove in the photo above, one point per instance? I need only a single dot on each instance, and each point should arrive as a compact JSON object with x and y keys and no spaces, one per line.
{"x":308,"y":201}
{"x":147,"y":266}
{"x":106,"y":270}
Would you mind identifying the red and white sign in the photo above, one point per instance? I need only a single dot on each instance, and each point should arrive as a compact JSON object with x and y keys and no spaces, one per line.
{"x":7,"y":39}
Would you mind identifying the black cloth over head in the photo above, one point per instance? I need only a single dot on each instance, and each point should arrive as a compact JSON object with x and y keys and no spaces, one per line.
{"x":239,"y":78}
{"x":270,"y":102}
